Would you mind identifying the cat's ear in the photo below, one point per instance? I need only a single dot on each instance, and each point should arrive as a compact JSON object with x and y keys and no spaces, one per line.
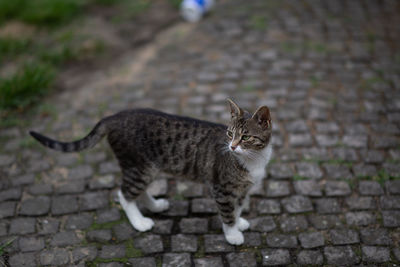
{"x":263,"y":117}
{"x":235,"y":110}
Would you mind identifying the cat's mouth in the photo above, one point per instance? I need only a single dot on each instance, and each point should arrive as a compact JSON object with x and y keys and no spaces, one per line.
{"x":235,"y":149}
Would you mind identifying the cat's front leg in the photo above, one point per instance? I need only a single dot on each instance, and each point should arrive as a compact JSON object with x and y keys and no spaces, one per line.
{"x":232,"y":233}
{"x":230,"y":215}
{"x":243,"y":203}
{"x":243,"y":224}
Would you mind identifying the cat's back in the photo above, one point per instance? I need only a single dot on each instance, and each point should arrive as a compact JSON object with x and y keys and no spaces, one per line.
{"x":147,"y":119}
{"x":176,"y":144}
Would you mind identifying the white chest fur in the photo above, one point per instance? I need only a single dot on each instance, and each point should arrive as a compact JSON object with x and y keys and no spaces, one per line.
{"x":257,"y":166}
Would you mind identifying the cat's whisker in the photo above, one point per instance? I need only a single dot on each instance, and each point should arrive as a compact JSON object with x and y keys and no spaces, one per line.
{"x":225,"y":148}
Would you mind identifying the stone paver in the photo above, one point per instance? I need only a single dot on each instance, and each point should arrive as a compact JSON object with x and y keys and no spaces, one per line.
{"x":149,"y":243}
{"x":216,"y":243}
{"x":340,"y":255}
{"x":112,"y":251}
{"x":183,"y":243}
{"x":281,"y":241}
{"x":311,"y":240}
{"x":273,"y":257}
{"x":176,"y":260}
{"x":241,"y":259}
{"x":208,"y":262}
{"x":344,"y":236}
{"x":328,"y":70}
{"x":309,"y":257}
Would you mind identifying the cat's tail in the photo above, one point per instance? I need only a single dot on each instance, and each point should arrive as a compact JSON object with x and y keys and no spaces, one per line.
{"x":97,"y":133}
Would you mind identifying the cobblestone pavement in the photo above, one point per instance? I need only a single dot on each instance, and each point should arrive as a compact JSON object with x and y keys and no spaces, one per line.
{"x":329,"y":71}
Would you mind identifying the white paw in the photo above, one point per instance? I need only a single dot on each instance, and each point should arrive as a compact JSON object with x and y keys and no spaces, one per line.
{"x":235,"y":238}
{"x":144,"y":224}
{"x":160,"y":205}
{"x":243,"y":224}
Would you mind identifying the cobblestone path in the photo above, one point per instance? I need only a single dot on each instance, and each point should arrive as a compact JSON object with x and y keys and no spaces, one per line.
{"x":329,"y":71}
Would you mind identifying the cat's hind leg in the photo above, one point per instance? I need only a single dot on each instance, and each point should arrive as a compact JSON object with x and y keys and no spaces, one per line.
{"x":134,"y":183}
{"x":232,"y":234}
{"x":243,"y":224}
{"x":138,"y":221}
{"x":152,"y":204}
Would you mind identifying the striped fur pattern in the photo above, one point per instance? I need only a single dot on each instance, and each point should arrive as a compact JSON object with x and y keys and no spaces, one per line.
{"x":147,"y":142}
{"x":98,"y":132}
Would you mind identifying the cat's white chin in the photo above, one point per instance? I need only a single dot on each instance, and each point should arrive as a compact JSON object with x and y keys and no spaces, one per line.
{"x":238,"y":150}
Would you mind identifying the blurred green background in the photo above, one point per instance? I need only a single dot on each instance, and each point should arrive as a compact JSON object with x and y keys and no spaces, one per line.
{"x":42,"y":38}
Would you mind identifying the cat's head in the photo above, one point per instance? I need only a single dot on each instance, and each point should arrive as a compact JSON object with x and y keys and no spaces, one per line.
{"x":248,"y":133}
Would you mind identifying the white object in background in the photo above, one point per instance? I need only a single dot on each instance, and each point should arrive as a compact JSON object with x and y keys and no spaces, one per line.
{"x":193,"y":10}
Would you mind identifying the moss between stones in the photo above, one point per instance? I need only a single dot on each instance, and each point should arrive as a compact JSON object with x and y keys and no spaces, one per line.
{"x":131,"y":251}
{"x":108,"y":225}
{"x":158,"y":261}
{"x":297,"y":177}
{"x":100,"y":260}
{"x":200,"y":249}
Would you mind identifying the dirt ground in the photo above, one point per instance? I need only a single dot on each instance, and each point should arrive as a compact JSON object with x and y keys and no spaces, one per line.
{"x":119,"y":38}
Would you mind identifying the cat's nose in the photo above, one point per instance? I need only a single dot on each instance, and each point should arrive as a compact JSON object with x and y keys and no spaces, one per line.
{"x":233,"y":148}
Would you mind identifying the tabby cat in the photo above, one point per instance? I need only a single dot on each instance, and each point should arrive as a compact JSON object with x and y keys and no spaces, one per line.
{"x":230,"y":159}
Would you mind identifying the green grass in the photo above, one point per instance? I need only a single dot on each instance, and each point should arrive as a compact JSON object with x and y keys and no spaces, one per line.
{"x":357,"y":251}
{"x":308,"y":45}
{"x":28,"y":142}
{"x":368,"y":84}
{"x":158,"y":262}
{"x":46,"y":54}
{"x":10,"y":47}
{"x":131,"y":9}
{"x":259,"y":22}
{"x":350,"y":182}
{"x":6,"y":245}
{"x":10,"y":9}
{"x":315,"y":46}
{"x":315,"y":81}
{"x":32,"y":81}
{"x":46,"y":110}
{"x":175,"y":3}
{"x":247,"y":88}
{"x":26,"y":87}
{"x":131,"y":251}
{"x":297,"y":177}
{"x":178,"y":196}
{"x":57,"y":55}
{"x":68,"y":47}
{"x":340,"y":162}
{"x":97,"y":261}
{"x":381,"y":177}
{"x":11,"y":121}
{"x":290,"y":47}
{"x":41,"y":12}
{"x":200,"y":250}
{"x":108,"y":225}
{"x":106,"y":2}
{"x":313,"y":160}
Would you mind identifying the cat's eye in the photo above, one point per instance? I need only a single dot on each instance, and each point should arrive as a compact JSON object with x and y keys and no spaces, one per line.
{"x":229,"y":133}
{"x":245,"y":137}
